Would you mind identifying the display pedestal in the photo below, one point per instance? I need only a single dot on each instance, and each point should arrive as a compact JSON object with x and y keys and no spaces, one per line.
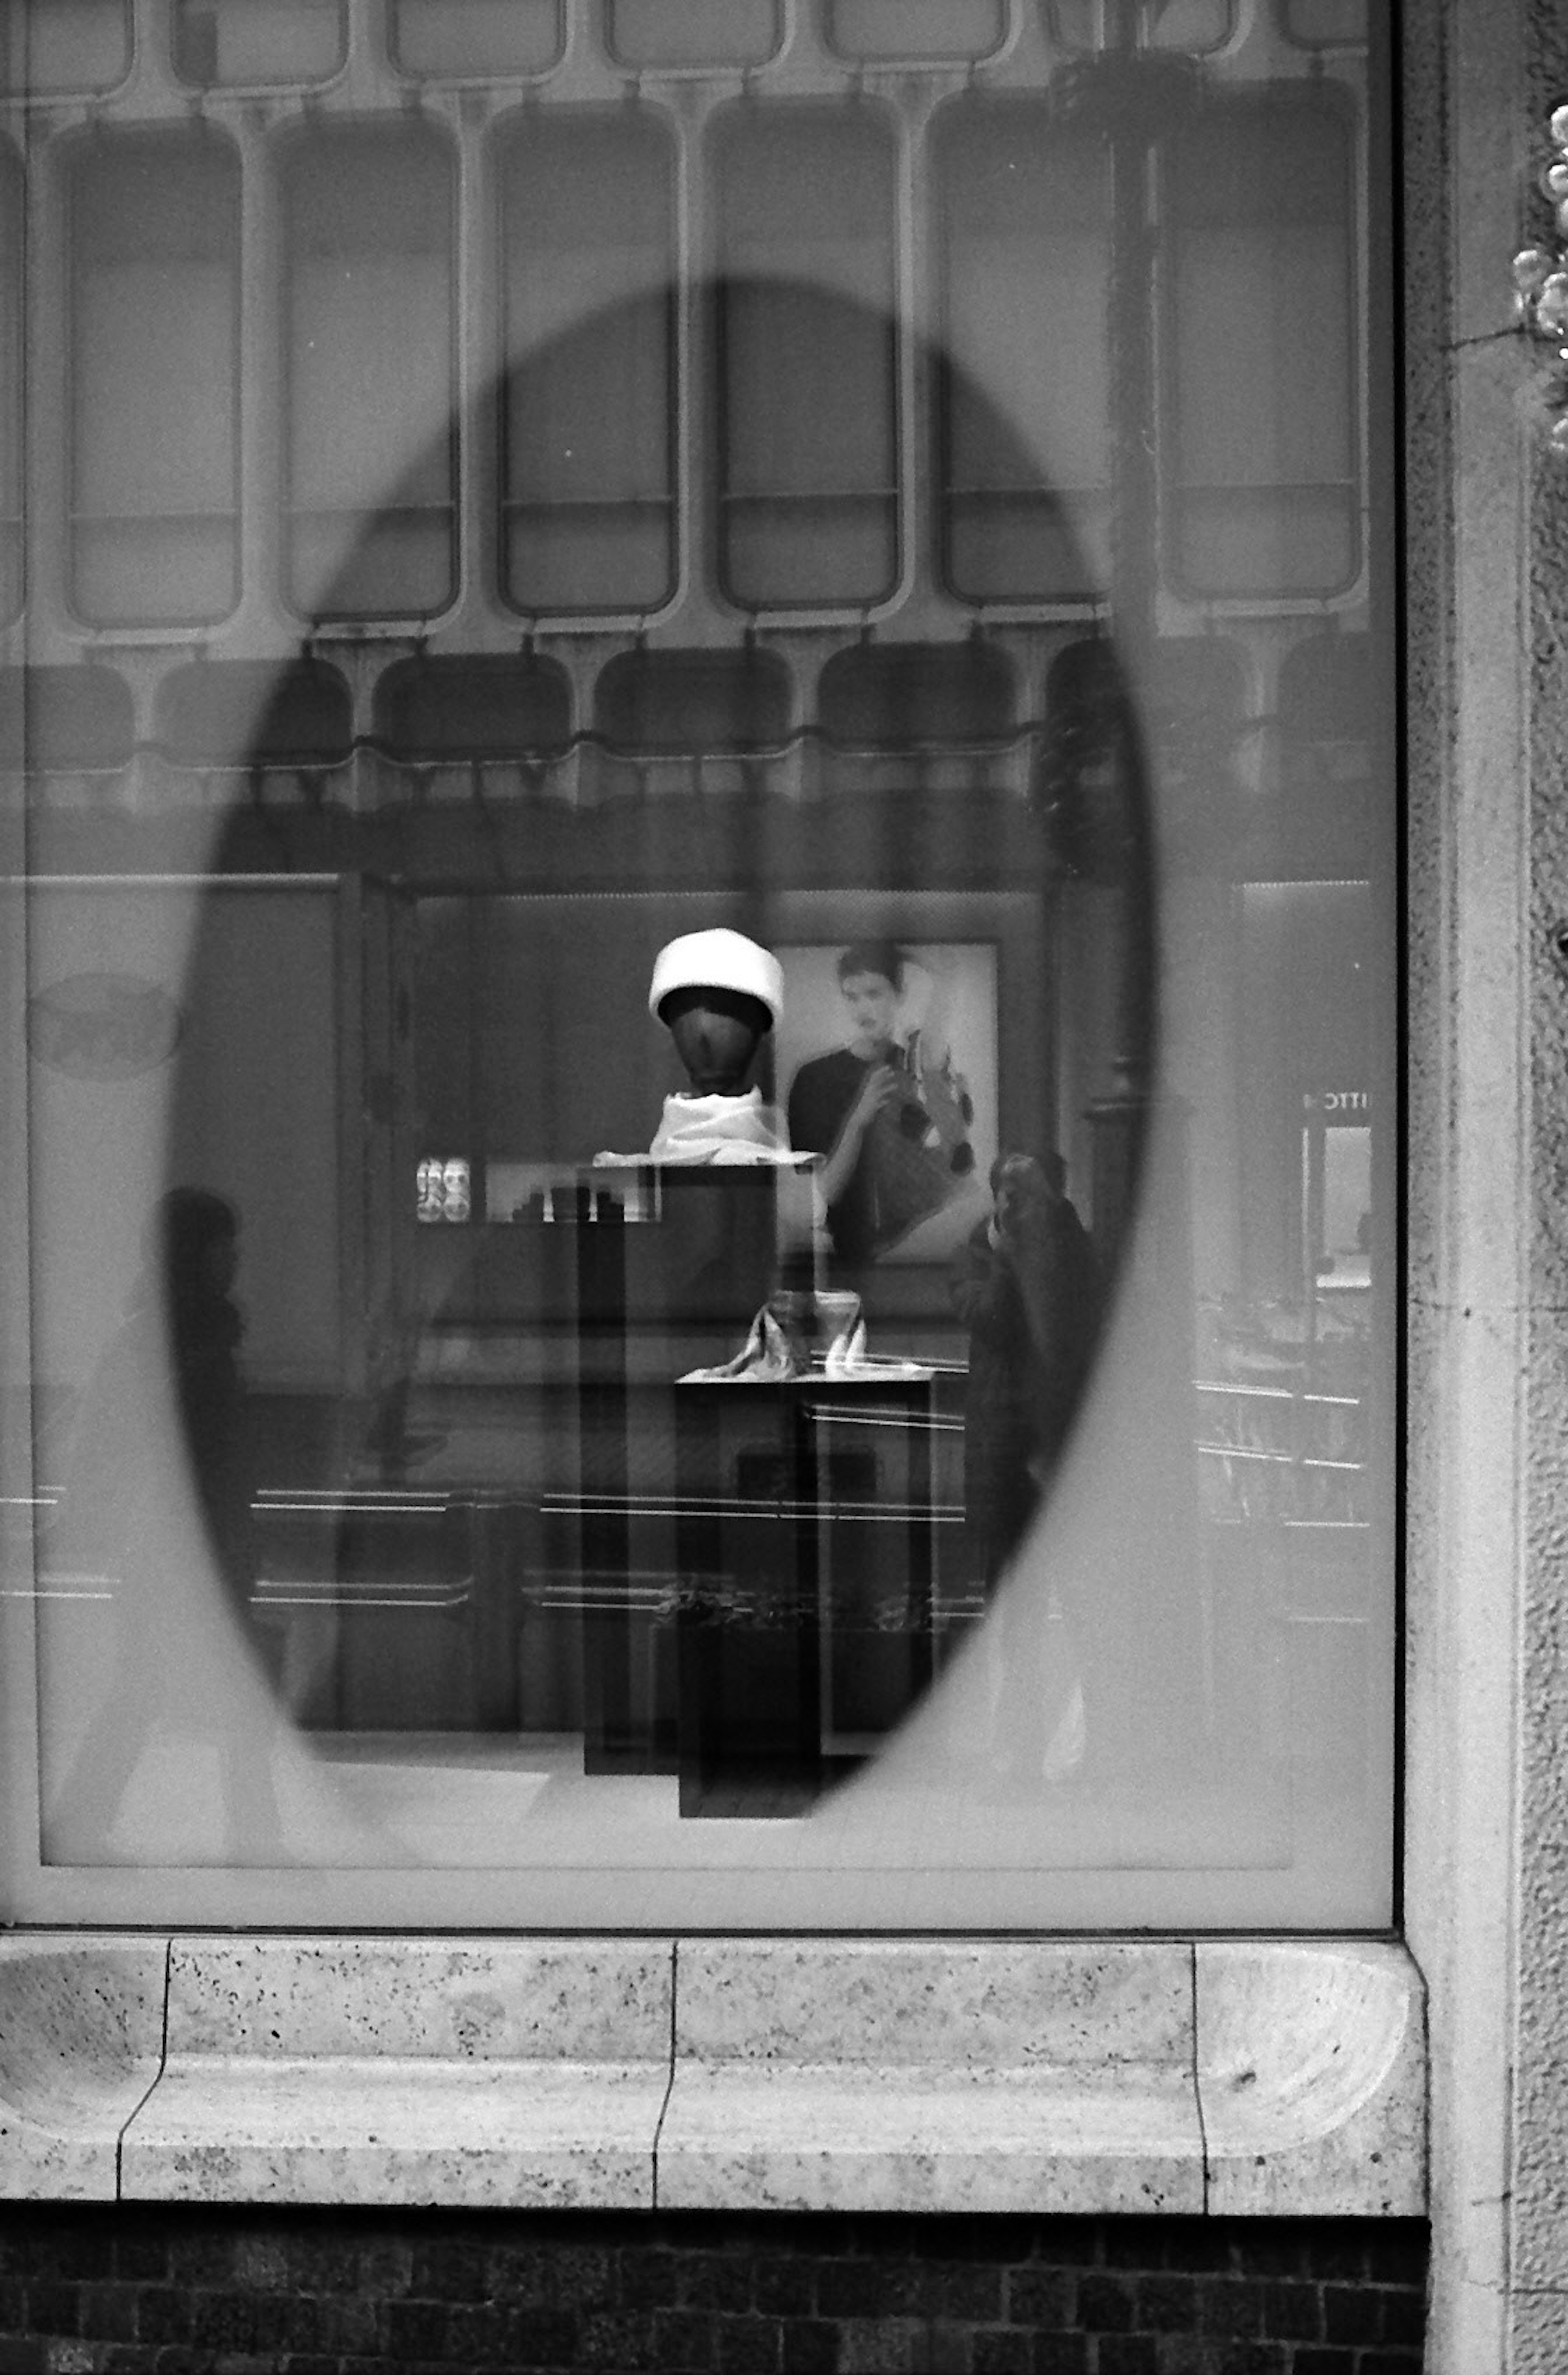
{"x":804,"y":1543}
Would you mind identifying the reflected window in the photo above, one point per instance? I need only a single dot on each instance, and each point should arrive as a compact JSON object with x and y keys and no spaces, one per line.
{"x":1022,"y":208}
{"x":472,"y":707}
{"x":69,"y":718}
{"x":587,"y":393}
{"x":899,"y":694}
{"x":367,"y":307}
{"x":916,"y":29}
{"x":1191,"y":25}
{"x":476,"y":38}
{"x":1325,"y":24}
{"x":249,"y":713}
{"x":806,"y":349}
{"x":154,"y":378}
{"x":65,"y":46}
{"x":1264,"y":494}
{"x":694,"y":700}
{"x":228,"y":43}
{"x":11,"y":353}
{"x":680,"y":35}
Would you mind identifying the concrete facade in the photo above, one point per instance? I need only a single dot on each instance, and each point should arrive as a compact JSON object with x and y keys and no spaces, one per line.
{"x":1486,"y":1907}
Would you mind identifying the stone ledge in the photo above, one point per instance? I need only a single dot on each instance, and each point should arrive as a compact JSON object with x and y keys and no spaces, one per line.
{"x":81,"y":2041}
{"x":1280,"y":2078}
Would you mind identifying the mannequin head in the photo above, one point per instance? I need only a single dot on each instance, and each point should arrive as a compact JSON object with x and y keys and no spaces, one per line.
{"x":716,"y":992}
{"x":716,"y":1033}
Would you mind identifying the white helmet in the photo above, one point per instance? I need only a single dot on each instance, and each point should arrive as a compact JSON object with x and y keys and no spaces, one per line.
{"x":717,"y":960}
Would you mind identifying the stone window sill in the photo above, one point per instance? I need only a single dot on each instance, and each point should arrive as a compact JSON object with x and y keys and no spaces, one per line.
{"x":1283,"y":2077}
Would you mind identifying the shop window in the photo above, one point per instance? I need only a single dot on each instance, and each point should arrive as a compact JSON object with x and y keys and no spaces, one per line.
{"x":225,"y":44}
{"x":249,"y":713}
{"x":683,"y":35}
{"x":587,"y":390}
{"x":457,"y":708}
{"x":154,"y":377}
{"x":463,"y":39}
{"x":916,"y":29}
{"x":368,"y":305}
{"x":1022,"y":211}
{"x":1325,"y":24}
{"x":806,"y":349}
{"x":11,"y":353}
{"x":71,"y":46}
{"x":883,"y":1419}
{"x":1263,"y":491}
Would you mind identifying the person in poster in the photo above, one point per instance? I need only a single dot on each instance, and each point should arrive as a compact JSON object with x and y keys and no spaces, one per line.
{"x":889,"y":1113}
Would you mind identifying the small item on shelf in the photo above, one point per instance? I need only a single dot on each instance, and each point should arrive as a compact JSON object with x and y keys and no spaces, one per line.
{"x":780,"y":1343}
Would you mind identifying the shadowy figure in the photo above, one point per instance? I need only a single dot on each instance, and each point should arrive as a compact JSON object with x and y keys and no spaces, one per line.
{"x":158,"y":1503}
{"x":1027,"y":1287}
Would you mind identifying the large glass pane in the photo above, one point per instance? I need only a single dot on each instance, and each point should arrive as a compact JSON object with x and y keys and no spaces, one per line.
{"x":587,"y":389}
{"x":1264,"y":493}
{"x":702,"y":1224}
{"x":370,"y":365}
{"x":154,"y":377}
{"x":806,"y":344}
{"x":65,"y":46}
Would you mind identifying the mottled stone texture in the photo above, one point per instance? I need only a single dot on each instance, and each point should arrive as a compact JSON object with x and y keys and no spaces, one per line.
{"x":236,"y":2292}
{"x":1539,"y":2336}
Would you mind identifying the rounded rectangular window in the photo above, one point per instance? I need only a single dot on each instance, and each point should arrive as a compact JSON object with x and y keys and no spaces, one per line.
{"x":806,"y":347}
{"x":463,"y":39}
{"x":1325,"y":24}
{"x":683,"y":36}
{"x":369,"y":369}
{"x":1021,"y":207}
{"x":713,"y":1242}
{"x":234,"y":44}
{"x":586,"y":395}
{"x":1262,"y":493}
{"x":12,"y":350}
{"x":971,"y":29}
{"x":1194,"y":25}
{"x":68,"y":46}
{"x":154,"y":377}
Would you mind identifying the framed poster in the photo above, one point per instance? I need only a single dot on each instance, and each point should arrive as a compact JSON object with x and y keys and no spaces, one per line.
{"x":887,"y":1063}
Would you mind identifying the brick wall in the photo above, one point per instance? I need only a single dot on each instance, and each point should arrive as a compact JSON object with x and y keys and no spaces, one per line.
{"x":194,"y":2291}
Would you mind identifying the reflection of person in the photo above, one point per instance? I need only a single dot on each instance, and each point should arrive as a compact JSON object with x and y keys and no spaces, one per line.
{"x":892,"y":1129}
{"x":1027,"y":1290}
{"x":159,"y":1500}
